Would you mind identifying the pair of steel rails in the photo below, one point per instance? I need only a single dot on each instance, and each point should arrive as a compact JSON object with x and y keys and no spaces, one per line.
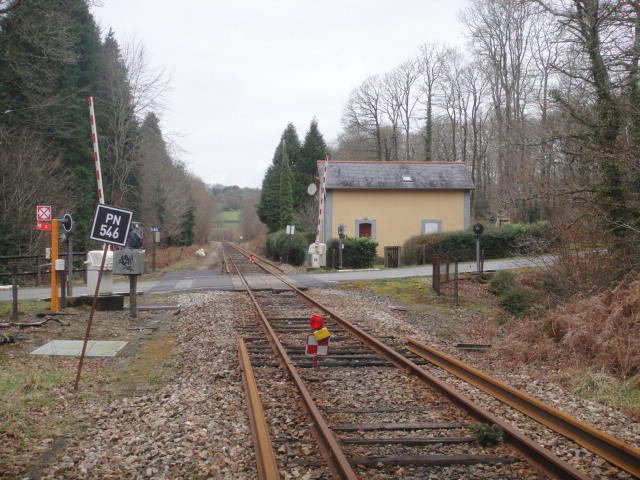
{"x":620,"y":454}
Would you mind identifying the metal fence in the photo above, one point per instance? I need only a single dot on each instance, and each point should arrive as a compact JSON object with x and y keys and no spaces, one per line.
{"x":35,"y":269}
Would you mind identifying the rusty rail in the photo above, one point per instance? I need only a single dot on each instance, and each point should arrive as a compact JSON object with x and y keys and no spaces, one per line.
{"x":265,"y":456}
{"x":537,"y":455}
{"x":541,"y":458}
{"x":611,"y":449}
{"x":338,"y":462}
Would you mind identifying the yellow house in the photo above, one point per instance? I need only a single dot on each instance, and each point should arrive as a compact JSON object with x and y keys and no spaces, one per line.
{"x":393,"y":201}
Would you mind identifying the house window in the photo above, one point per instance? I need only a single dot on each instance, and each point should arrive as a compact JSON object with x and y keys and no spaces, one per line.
{"x":364,"y":230}
{"x":431,"y":226}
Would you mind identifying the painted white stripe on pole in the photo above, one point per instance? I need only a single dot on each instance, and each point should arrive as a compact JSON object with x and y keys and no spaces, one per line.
{"x":321,"y":205}
{"x":96,"y":152}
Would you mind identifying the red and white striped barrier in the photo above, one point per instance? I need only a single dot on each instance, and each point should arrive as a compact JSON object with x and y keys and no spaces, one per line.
{"x":96,"y":152}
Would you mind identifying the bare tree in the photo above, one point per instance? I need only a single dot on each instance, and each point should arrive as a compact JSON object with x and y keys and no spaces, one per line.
{"x":364,"y":112}
{"x":500,"y":32}
{"x":431,"y":69}
{"x":205,"y":208}
{"x":391,"y":104}
{"x":149,"y":85}
{"x":29,"y":175}
{"x":250,"y":225}
{"x":405,"y":79}
{"x":452,"y":102}
{"x":607,"y":37}
{"x":128,"y":88}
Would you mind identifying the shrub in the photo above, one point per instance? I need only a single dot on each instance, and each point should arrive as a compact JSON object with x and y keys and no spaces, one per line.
{"x":516,"y":301}
{"x":514,"y":298}
{"x":357,"y":252}
{"x":487,"y":435}
{"x":276,"y":245}
{"x":502,"y":282}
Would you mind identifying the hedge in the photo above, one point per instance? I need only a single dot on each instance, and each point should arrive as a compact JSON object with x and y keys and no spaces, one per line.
{"x":496,"y":242}
{"x":276,"y":244}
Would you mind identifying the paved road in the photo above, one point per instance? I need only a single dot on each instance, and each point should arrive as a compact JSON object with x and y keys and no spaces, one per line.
{"x":202,"y":280}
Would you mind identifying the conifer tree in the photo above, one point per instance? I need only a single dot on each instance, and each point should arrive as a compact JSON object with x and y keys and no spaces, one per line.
{"x":277,"y":202}
{"x":48,"y":59}
{"x":276,"y":207}
{"x":313,"y":149}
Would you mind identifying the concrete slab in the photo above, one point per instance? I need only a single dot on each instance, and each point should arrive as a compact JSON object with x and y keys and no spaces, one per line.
{"x":73,"y":348}
{"x":266,"y":282}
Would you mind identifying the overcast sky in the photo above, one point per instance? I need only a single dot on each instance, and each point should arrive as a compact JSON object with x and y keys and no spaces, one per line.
{"x":241,"y":70}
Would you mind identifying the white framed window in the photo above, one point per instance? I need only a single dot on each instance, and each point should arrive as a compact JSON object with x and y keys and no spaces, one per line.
{"x":431,"y":226}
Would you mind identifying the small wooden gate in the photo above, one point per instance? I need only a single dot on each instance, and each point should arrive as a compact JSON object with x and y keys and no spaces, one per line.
{"x":392,"y":257}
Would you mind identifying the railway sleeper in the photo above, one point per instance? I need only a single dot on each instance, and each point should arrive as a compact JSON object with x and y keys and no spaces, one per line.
{"x":382,"y":426}
{"x":432,"y":460}
{"x":407,"y":441}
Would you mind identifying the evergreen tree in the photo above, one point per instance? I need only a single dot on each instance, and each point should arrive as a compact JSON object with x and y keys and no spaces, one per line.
{"x":267,"y":209}
{"x":313,"y":149}
{"x":276,"y":207}
{"x":290,"y":146}
{"x":167,"y":200}
{"x":286,"y":204}
{"x":48,"y":59}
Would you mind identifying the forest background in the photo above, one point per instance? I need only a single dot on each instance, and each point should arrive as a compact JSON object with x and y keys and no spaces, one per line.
{"x":542,"y":106}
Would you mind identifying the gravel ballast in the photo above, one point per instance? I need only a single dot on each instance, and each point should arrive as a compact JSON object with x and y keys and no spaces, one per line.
{"x":196,"y":427}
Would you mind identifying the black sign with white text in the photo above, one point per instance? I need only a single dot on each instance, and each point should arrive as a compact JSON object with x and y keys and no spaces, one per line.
{"x":111,"y":225}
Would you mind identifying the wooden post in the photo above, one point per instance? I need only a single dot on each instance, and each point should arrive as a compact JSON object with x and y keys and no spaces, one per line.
{"x":455,"y":284}
{"x":38,"y":267}
{"x":133,"y":299}
{"x":14,"y":274}
{"x":153,"y":255}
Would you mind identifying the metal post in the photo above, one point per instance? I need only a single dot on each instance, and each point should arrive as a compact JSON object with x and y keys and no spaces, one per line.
{"x":63,"y":288}
{"x":320,"y":231}
{"x":478,"y":253}
{"x":340,"y":251}
{"x":93,"y":310}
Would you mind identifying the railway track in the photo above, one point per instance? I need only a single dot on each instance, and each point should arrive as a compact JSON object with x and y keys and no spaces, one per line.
{"x":368,"y":416}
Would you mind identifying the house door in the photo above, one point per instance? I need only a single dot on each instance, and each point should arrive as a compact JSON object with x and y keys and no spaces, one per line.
{"x":364,"y":230}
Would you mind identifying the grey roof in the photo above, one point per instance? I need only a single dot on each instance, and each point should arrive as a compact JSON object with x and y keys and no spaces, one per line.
{"x":397,"y":175}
